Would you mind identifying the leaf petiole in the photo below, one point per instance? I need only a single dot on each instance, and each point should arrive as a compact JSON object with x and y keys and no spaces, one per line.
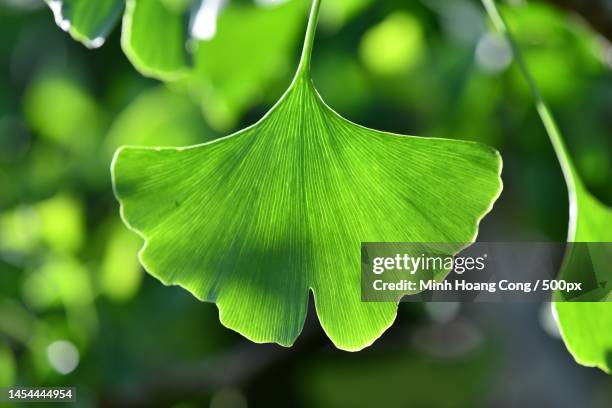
{"x":569,"y":171}
{"x":304,"y":66}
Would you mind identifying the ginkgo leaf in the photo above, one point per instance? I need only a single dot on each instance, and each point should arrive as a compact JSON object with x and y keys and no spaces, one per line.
{"x":87,"y":21}
{"x":585,"y":326}
{"x":154,"y":38}
{"x":256,"y":220}
{"x":154,"y":32}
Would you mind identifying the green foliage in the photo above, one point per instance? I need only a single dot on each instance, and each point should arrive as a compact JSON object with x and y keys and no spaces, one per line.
{"x":158,"y":117}
{"x":560,"y":55}
{"x":585,"y":327}
{"x":255,"y":220}
{"x":61,"y":223}
{"x":89,"y":22}
{"x":211,"y":69}
{"x":393,"y":46}
{"x":65,"y":113}
{"x":334,"y":14}
{"x":120,"y":274}
{"x":164,"y":335}
{"x":154,"y":51}
{"x":60,"y":281}
{"x":7,"y":366}
{"x":55,"y":223}
{"x":252,"y":47}
{"x":73,"y":120}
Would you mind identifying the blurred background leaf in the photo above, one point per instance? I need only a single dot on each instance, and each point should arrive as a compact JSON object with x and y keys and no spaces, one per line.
{"x":120,"y":273}
{"x":87,"y":21}
{"x":153,"y":38}
{"x":253,"y":48}
{"x":7,"y":366}
{"x":394,"y":46}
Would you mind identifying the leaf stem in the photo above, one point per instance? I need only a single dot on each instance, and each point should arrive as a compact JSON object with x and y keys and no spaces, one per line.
{"x":304,"y":67}
{"x":554,"y":134}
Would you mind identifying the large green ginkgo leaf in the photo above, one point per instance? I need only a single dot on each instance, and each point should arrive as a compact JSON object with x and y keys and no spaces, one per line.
{"x":256,"y":220}
{"x":87,"y":21}
{"x":586,"y":327}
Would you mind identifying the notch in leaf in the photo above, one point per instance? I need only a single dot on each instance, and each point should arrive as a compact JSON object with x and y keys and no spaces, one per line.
{"x":256,"y":220}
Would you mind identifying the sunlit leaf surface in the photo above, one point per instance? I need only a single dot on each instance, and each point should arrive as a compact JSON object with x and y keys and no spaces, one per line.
{"x":255,"y":221}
